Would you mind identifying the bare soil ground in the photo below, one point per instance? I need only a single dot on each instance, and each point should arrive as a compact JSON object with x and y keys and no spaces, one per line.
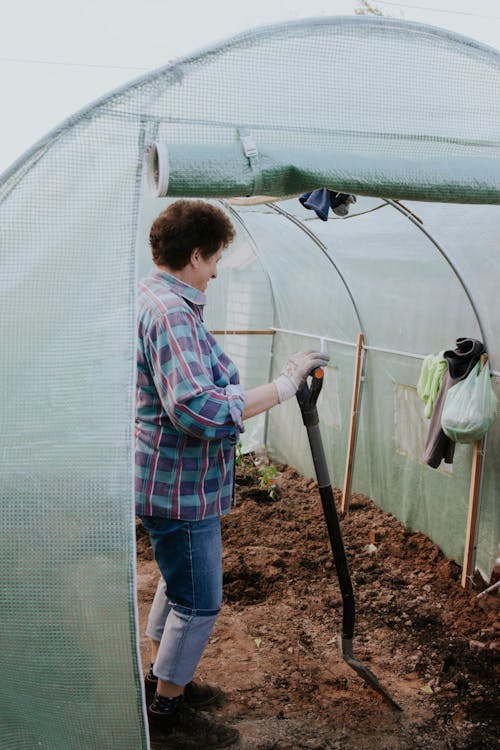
{"x":432,"y":645}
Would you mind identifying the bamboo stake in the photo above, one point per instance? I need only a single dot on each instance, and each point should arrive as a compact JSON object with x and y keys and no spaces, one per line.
{"x":346,"y":494}
{"x":474,"y":497}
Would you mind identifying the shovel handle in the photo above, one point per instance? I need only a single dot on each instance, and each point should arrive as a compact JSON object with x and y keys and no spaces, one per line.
{"x":307,"y":396}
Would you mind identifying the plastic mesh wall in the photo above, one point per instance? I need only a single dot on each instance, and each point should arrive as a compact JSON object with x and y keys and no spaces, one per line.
{"x":69,"y":665}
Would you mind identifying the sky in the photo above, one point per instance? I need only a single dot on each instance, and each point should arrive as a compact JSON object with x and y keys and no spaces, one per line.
{"x":58,"y":56}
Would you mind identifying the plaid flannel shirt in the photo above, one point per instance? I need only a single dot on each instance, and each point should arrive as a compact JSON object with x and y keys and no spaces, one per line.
{"x":189,"y":406}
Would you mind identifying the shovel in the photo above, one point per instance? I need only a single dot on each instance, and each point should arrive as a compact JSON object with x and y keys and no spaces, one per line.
{"x":307,"y":397}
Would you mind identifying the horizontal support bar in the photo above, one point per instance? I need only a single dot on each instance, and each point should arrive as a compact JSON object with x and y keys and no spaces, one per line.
{"x":272,"y":331}
{"x":228,"y":332}
{"x":315,"y":336}
{"x":395,"y":351}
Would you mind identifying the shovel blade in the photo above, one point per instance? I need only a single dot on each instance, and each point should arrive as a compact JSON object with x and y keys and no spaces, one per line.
{"x":345,"y":650}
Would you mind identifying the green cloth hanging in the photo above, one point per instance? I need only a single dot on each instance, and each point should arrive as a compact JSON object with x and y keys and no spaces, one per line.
{"x":429,"y":382}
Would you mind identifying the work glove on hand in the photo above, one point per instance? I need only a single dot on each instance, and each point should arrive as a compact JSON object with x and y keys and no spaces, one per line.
{"x":296,"y":370}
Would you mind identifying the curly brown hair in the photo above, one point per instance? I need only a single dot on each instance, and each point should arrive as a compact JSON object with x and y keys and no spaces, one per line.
{"x":187,"y":224}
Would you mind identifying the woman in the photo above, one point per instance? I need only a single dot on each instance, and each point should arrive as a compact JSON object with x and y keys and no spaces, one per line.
{"x":190,"y":409}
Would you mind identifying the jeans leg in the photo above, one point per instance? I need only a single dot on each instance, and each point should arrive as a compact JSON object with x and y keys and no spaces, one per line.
{"x":182,"y":645}
{"x":189,"y":555}
{"x":158,"y":612}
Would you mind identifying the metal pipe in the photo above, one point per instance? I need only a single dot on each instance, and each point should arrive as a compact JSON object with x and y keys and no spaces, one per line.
{"x":231,"y":332}
{"x":313,"y":336}
{"x":240,"y":221}
{"x":454,"y":268}
{"x":323,"y":248}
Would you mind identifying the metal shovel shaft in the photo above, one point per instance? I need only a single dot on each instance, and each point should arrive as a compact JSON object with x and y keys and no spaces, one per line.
{"x":307,"y":401}
{"x":334,"y":532}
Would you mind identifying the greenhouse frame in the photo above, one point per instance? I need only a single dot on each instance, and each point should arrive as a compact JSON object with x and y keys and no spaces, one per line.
{"x":404,"y":117}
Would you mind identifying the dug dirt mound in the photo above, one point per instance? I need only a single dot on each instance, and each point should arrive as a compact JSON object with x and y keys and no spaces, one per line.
{"x":432,"y":645}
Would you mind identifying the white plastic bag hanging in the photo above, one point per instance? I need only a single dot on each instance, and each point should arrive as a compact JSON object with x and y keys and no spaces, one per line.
{"x":470,"y":407}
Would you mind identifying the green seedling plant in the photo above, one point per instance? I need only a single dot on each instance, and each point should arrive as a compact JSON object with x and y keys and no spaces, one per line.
{"x":247,"y":471}
{"x":239,"y":454}
{"x":267,"y":480}
{"x":257,"y":468}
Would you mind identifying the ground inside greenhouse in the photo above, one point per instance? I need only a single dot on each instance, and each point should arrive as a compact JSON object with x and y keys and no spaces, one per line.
{"x":431,"y":644}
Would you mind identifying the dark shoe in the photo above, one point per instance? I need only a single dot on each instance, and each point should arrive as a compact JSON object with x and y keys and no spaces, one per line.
{"x":199,"y":695}
{"x":196,"y":694}
{"x":185,"y":729}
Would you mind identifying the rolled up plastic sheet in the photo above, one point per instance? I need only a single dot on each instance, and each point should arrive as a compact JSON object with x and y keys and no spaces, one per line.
{"x":223,"y":171}
{"x":156,"y":165}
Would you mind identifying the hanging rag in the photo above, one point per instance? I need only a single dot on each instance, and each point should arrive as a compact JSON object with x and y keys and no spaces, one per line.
{"x":429,"y":382}
{"x":322,"y":200}
{"x":460,"y":362}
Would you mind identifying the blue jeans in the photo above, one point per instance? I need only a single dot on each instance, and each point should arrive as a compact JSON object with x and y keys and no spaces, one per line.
{"x":189,"y":594}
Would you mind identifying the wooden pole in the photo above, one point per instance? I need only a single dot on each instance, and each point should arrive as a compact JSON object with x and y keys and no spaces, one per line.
{"x":474,"y":498}
{"x":346,"y":494}
{"x":470,"y":539}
